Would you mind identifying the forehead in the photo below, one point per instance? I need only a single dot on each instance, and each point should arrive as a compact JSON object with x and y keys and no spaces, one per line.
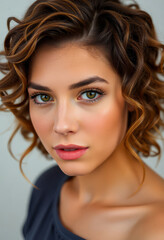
{"x":69,"y":62}
{"x":74,"y":50}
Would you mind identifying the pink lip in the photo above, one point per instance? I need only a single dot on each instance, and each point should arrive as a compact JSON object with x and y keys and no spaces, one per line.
{"x":70,"y":146}
{"x":70,"y":155}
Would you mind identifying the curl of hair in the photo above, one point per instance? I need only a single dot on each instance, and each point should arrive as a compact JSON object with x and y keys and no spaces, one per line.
{"x":123,"y":32}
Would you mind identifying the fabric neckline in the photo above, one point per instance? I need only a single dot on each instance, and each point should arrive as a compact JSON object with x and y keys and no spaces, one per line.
{"x":65,"y":233}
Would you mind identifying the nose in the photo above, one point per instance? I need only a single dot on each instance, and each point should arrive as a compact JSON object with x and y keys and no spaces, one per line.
{"x":65,"y":121}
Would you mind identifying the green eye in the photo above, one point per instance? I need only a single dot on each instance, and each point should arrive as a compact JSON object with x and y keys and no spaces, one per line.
{"x":45,"y":98}
{"x":91,"y":95}
{"x":40,"y":98}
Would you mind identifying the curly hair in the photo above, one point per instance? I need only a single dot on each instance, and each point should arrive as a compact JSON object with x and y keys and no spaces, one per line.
{"x":127,"y":37}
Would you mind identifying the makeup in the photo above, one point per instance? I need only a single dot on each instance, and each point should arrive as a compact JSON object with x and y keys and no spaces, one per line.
{"x":71,"y":155}
{"x":70,"y":152}
{"x":80,"y":113}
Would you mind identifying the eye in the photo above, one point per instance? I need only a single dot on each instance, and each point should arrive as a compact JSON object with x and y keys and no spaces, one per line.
{"x":91,"y":95}
{"x":41,"y":98}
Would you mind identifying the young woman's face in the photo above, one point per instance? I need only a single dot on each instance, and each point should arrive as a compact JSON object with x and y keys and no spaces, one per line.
{"x":76,"y":98}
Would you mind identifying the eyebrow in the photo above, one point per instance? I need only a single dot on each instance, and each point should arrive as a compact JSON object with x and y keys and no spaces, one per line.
{"x":73,"y":86}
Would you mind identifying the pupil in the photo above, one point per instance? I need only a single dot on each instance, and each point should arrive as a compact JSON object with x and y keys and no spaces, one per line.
{"x":91,"y":94}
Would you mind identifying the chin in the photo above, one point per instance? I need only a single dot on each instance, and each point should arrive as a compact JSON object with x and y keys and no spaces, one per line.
{"x":72,"y":170}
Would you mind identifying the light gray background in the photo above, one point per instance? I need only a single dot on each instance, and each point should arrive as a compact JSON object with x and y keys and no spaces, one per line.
{"x":14,"y":190}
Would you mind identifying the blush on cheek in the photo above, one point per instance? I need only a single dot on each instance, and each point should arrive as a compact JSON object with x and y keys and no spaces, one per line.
{"x":109,"y":123}
{"x":39,"y":123}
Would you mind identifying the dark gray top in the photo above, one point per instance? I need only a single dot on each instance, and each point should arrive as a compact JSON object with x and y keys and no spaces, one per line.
{"x":42,"y":222}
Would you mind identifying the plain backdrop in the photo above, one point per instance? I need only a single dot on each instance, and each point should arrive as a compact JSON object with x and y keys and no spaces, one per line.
{"x":14,"y":189}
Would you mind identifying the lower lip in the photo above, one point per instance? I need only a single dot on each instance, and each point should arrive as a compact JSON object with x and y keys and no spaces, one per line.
{"x":70,"y":155}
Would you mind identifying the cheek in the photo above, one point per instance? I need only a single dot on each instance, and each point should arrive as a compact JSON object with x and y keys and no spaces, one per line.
{"x":108,"y":123}
{"x":41,"y":123}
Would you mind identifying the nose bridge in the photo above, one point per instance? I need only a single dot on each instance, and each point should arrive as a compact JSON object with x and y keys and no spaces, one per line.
{"x":64,"y":121}
{"x":62,"y":111}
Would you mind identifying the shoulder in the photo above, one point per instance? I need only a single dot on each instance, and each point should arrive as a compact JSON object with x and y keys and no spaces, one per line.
{"x":47,"y":184}
{"x":151,"y":226}
{"x":41,"y":199}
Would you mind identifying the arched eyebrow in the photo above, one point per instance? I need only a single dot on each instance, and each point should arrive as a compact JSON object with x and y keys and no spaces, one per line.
{"x":72,"y":86}
{"x":87,"y":82}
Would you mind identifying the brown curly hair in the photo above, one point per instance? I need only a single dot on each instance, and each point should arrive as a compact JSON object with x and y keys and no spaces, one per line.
{"x":123,"y":32}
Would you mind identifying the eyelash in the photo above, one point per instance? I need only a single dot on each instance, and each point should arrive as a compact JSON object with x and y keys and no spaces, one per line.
{"x":34,"y":95}
{"x":95,"y":90}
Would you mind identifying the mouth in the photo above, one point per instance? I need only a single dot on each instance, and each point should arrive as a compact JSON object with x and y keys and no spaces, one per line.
{"x":70,"y":152}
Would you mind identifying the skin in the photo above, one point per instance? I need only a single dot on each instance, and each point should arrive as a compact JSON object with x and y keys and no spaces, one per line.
{"x":99,"y":199}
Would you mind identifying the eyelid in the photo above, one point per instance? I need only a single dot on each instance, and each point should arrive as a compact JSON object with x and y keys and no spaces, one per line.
{"x":91,"y":89}
{"x":82,"y":91}
{"x":35,"y":94}
{"x":98,"y":90}
{"x":38,"y":92}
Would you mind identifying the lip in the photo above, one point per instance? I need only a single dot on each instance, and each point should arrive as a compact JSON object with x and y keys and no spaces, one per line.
{"x":70,"y":155}
{"x":70,"y":146}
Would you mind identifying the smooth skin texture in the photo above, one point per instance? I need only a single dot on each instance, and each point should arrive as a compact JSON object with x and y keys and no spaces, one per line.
{"x":96,"y":200}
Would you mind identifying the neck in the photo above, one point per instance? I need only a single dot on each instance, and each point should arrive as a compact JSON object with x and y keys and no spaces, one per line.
{"x":112,"y":182}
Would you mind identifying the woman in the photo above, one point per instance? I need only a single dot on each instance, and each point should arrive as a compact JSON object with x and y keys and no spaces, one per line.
{"x":83,"y":79}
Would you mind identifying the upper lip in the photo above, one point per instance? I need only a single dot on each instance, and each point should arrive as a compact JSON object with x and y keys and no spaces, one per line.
{"x":70,"y":146}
